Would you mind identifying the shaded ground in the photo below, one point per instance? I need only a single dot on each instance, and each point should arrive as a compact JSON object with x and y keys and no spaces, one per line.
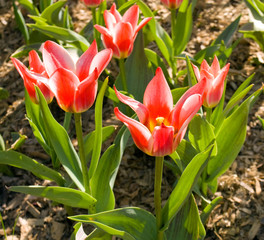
{"x":240,"y":217}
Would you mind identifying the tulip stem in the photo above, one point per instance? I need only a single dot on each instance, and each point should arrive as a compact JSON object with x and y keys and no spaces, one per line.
{"x":96,"y":36}
{"x":123,"y":73}
{"x":157,"y":194}
{"x":78,"y":127}
{"x":174,"y":61}
{"x":208,"y":114}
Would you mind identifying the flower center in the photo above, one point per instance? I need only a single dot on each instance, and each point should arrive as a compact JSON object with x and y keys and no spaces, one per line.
{"x":159,"y":121}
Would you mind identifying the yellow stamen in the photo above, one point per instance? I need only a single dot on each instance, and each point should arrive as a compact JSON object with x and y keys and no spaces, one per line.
{"x":159,"y":121}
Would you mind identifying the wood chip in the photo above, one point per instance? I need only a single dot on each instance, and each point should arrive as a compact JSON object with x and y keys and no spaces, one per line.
{"x":254,"y":230}
{"x":258,"y":187}
{"x":57,"y":230}
{"x":34,"y":211}
{"x":247,"y":187}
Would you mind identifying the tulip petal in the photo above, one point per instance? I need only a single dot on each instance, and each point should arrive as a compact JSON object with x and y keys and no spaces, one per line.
{"x":110,"y":20}
{"x":116,"y":14}
{"x":215,"y":67}
{"x":63,"y":84}
{"x":205,"y":66}
{"x":162,"y":140}
{"x":86,"y":93}
{"x":84,"y":62}
{"x":158,"y":98}
{"x":142,"y":24}
{"x":55,"y":56}
{"x":139,"y":132}
{"x":131,"y":16}
{"x":196,"y":72}
{"x":35,"y":63}
{"x":101,"y":60}
{"x":139,"y":108}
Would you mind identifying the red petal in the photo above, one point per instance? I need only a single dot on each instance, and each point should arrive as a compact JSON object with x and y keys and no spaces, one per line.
{"x":142,"y":24}
{"x":131,"y":16}
{"x":63,"y":83}
{"x":116,"y":14}
{"x":86,"y":93}
{"x":196,"y":72}
{"x":204,"y":66}
{"x":84,"y":62}
{"x":162,"y":140}
{"x":215,"y":67}
{"x":35,"y":63}
{"x":55,"y":56}
{"x":158,"y":98}
{"x":110,"y":20}
{"x":140,"y":133}
{"x":139,"y":108}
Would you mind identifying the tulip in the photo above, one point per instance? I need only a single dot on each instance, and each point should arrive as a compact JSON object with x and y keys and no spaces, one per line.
{"x":172,"y":4}
{"x":120,"y":32}
{"x":74,"y":85}
{"x":215,"y":83}
{"x":35,"y":76}
{"x":161,"y":126}
{"x":92,"y":3}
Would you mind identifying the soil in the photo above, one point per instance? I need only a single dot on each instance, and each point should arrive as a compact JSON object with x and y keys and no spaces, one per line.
{"x":241,"y":214}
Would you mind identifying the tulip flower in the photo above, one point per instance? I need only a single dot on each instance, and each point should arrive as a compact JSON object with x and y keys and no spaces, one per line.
{"x":36,"y":75}
{"x":120,"y":32}
{"x":74,"y":85}
{"x":92,"y":3}
{"x":215,"y":83}
{"x":172,"y":4}
{"x":161,"y":126}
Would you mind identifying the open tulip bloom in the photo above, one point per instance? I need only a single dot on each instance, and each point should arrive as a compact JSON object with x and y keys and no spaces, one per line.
{"x":172,"y":4}
{"x":92,"y":3}
{"x":120,"y":32}
{"x":215,"y":83}
{"x":35,"y":76}
{"x":161,"y":126}
{"x":74,"y":85}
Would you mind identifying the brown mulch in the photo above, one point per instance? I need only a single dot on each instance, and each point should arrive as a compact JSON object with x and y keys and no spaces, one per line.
{"x":239,"y":217}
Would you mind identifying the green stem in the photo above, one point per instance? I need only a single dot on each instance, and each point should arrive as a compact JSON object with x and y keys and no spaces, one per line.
{"x":67,"y":121}
{"x":174,"y":62}
{"x":95,"y":32}
{"x":78,"y":127}
{"x":208,"y":114}
{"x":123,"y":73}
{"x":157,"y":194}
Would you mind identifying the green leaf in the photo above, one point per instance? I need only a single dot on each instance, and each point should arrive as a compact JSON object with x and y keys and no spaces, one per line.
{"x":257,"y":14}
{"x":257,"y":36}
{"x":138,"y":71}
{"x":43,"y":4}
{"x":261,"y":121}
{"x":98,"y":234}
{"x":191,"y":75}
{"x":184,"y":186}
{"x":209,"y":208}
{"x":109,"y":92}
{"x":19,"y":160}
{"x":62,"y":34}
{"x":25,"y":49}
{"x":177,"y":93}
{"x":230,"y":138}
{"x":183,"y":28}
{"x":127,"y":223}
{"x":2,"y":144}
{"x":30,"y":6}
{"x":201,"y":134}
{"x":103,"y":179}
{"x":61,"y":143}
{"x":97,"y":145}
{"x":68,"y":196}
{"x":187,"y":223}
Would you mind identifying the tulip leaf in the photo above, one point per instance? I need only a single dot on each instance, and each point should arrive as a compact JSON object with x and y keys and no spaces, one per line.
{"x":230,"y":138}
{"x":184,"y":187}
{"x":97,"y":144}
{"x":109,"y":92}
{"x":138,"y":71}
{"x":68,"y":196}
{"x":20,"y":160}
{"x":30,"y":6}
{"x":127,"y":223}
{"x":177,"y":93}
{"x":103,"y":179}
{"x":201,"y":134}
{"x":191,"y":75}
{"x":98,"y":234}
{"x":61,"y":143}
{"x":209,"y":208}
{"x":62,"y":34}
{"x":25,"y":49}
{"x":183,"y":28}
{"x":187,"y":223}
{"x":43,"y":4}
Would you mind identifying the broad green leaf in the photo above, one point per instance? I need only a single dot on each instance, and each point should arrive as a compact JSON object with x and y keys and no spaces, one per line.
{"x":20,"y":160}
{"x":184,"y":186}
{"x":127,"y":223}
{"x":138,"y":71}
{"x":228,"y":33}
{"x":43,"y":4}
{"x":206,"y":53}
{"x":191,"y":75}
{"x":257,"y":14}
{"x":30,"y":6}
{"x":183,"y":28}
{"x":257,"y":36}
{"x":25,"y":49}
{"x":97,"y":145}
{"x":201,"y":134}
{"x":177,"y":160}
{"x":177,"y":93}
{"x":61,"y":143}
{"x":103,"y":179}
{"x":54,"y":14}
{"x":99,"y":234}
{"x":260,"y":5}
{"x":62,"y":34}
{"x":68,"y":196}
{"x":21,"y":22}
{"x":209,"y":208}
{"x":230,"y":138}
{"x":187,"y":223}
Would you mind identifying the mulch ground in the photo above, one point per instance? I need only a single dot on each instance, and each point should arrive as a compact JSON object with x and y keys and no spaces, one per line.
{"x":239,"y":217}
